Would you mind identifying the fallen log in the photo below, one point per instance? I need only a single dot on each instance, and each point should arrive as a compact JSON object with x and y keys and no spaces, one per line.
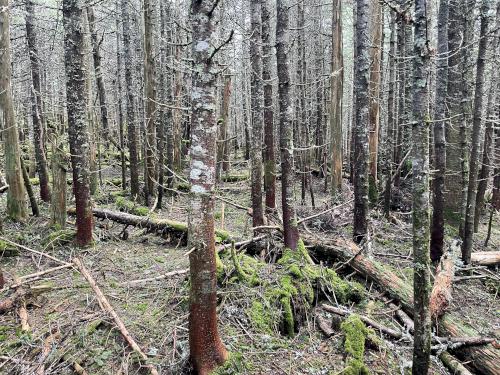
{"x":150,"y":223}
{"x":486,"y":258}
{"x":441,"y":291}
{"x":486,"y":359}
{"x":106,"y":306}
{"x":455,"y":366}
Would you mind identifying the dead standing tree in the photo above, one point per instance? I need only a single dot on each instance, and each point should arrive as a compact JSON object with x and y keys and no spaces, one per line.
{"x":79,"y":141}
{"x":206,"y":348}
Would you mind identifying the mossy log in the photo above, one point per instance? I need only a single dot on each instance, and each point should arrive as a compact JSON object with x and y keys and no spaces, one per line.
{"x":235,"y":177}
{"x":485,"y":359}
{"x":152,"y":224}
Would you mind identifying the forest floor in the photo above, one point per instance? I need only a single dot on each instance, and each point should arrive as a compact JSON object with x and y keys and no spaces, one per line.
{"x":69,"y":332}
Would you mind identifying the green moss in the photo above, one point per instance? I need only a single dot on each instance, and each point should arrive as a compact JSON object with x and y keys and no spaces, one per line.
{"x":6,"y":249}
{"x":59,"y":238}
{"x":235,"y":364}
{"x":372,"y":190}
{"x":35,"y":181}
{"x":128,"y":206}
{"x":235,"y":177}
{"x":245,"y":268}
{"x":261,"y":317}
{"x":219,"y":267}
{"x":117,"y":181}
{"x":183,"y":186}
{"x":355,"y":333}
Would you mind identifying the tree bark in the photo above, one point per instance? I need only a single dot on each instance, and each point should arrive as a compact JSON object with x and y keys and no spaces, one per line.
{"x":36,"y":107}
{"x":118,"y":97}
{"x":269,"y":154}
{"x":59,"y":184}
{"x":360,"y":230}
{"x":486,"y":11}
{"x":420,"y":184}
{"x":441,"y":291}
{"x":290,"y":229}
{"x":207,"y":350}
{"x":16,"y":193}
{"x":492,"y":116}
{"x":150,"y":95}
{"x":131,"y":119}
{"x":437,"y":232}
{"x":337,"y":89}
{"x":485,"y":258}
{"x":256,"y":111}
{"x":79,"y":141}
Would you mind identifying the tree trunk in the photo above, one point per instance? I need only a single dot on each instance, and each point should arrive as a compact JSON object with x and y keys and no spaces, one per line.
{"x":486,"y":12}
{"x":207,"y":350}
{"x":16,"y":194}
{"x":29,"y":189}
{"x":150,"y":95}
{"x":290,"y":229}
{"x":337,"y":90}
{"x":492,"y":116}
{"x":391,"y":117}
{"x":118,"y":96}
{"x":421,"y":219}
{"x":256,"y":112}
{"x":59,"y":184}
{"x":441,"y":291}
{"x":131,"y":120}
{"x":375,"y":29}
{"x":360,"y":230}
{"x":79,"y":141}
{"x":223,"y":143}
{"x":36,"y":107}
{"x":269,"y":154}
{"x":437,"y":232}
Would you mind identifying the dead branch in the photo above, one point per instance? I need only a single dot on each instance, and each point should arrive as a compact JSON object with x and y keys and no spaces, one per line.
{"x":106,"y":306}
{"x":441,"y":291}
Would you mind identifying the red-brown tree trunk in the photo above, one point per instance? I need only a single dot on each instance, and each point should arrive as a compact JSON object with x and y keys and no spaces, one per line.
{"x":206,"y":348}
{"x":79,"y":141}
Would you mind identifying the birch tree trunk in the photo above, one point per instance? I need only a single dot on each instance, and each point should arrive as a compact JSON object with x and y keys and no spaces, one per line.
{"x":437,"y":232}
{"x":486,"y":12}
{"x":421,"y":217}
{"x":362,"y":69}
{"x":256,"y":111}
{"x":207,"y":350}
{"x":79,"y":141}
{"x":131,"y":119}
{"x":16,"y":193}
{"x":36,"y":107}
{"x":337,"y":89}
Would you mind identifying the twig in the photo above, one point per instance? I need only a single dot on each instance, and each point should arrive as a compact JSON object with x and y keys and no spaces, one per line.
{"x":323,"y":212}
{"x":156,"y":278}
{"x":106,"y":306}
{"x":35,"y":251}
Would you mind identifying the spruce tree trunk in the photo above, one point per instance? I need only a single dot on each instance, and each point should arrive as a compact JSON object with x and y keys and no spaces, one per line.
{"x":78,"y":131}
{"x":290,"y":229}
{"x":375,"y":28}
{"x":256,"y":112}
{"x":486,"y":11}
{"x":437,"y":232}
{"x":29,"y":189}
{"x":362,"y":66}
{"x":421,"y":205}
{"x":118,"y":97}
{"x":207,"y":350}
{"x":223,"y":144}
{"x":391,"y":117}
{"x":337,"y":89}
{"x":269,"y":154}
{"x":101,"y":90}
{"x":36,"y":106}
{"x":59,"y":184}
{"x":492,"y":115}
{"x":150,"y":95}
{"x":131,"y":119}
{"x":16,"y":194}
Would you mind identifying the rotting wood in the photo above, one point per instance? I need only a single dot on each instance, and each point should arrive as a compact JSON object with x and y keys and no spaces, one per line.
{"x":441,"y":291}
{"x":486,"y":258}
{"x":106,"y":306}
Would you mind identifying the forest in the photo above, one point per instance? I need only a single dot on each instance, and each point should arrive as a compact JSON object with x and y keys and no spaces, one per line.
{"x":249,"y":187}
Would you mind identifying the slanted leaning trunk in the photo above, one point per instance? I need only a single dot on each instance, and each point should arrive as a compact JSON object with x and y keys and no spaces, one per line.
{"x":79,"y":141}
